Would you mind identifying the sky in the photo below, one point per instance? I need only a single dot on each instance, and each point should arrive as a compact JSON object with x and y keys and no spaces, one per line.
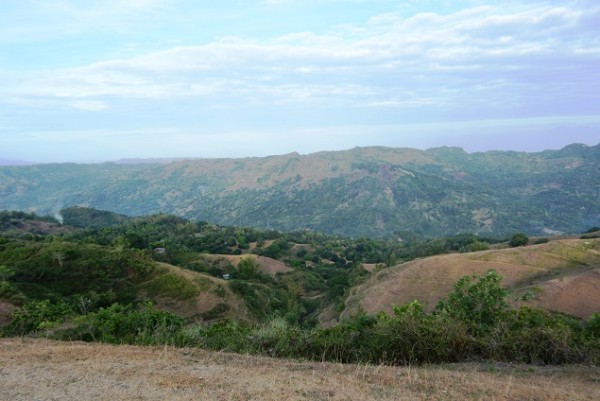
{"x":97,"y":80}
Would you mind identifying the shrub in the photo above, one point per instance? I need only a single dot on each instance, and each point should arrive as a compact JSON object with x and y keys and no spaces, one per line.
{"x":532,"y":335}
{"x":225,"y":335}
{"x":416,"y":337}
{"x":124,"y":324}
{"x":478,"y":301}
{"x":518,"y":239}
{"x":592,"y":326}
{"x":248,"y":269}
{"x":37,"y":315}
{"x":477,"y":246}
{"x":280,"y":338}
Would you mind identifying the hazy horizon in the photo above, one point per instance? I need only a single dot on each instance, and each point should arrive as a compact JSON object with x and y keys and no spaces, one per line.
{"x":91,"y":81}
{"x":14,"y":162}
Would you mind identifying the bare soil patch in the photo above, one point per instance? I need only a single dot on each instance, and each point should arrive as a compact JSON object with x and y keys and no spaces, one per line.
{"x":47,"y":370}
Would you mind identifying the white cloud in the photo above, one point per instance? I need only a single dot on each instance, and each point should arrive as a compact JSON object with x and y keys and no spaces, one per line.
{"x":90,"y":105}
{"x":428,"y":58}
{"x":41,"y":20}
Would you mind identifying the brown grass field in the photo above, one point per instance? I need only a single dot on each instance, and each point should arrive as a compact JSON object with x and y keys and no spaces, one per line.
{"x":205,"y":296}
{"x":563,"y":275}
{"x":48,"y":370}
{"x":267,"y":265}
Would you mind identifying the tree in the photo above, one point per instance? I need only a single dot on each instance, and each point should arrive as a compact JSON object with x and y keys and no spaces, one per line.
{"x":478,"y":301}
{"x":518,"y":239}
{"x":248,"y":268}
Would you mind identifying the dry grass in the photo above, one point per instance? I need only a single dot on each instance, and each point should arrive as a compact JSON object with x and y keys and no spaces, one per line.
{"x":6,"y":310}
{"x":208,"y":296}
{"x":47,"y":370}
{"x":267,"y":265}
{"x":264,"y":172}
{"x":566,"y":274}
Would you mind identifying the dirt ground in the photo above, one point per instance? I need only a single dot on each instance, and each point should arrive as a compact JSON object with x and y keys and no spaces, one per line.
{"x":47,"y":370}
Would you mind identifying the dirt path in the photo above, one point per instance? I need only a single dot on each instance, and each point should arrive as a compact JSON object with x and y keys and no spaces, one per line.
{"x":47,"y":370}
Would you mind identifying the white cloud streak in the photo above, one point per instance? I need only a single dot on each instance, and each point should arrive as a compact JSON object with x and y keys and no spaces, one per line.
{"x":481,"y":55}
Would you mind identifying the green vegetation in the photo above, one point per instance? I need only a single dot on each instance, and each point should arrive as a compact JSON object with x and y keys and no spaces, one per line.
{"x":479,"y":302}
{"x":124,"y":324}
{"x":519,"y":239}
{"x":454,"y":332}
{"x":83,"y":217}
{"x":95,"y":283}
{"x":57,"y":270}
{"x":172,"y":286}
{"x":374,"y":192}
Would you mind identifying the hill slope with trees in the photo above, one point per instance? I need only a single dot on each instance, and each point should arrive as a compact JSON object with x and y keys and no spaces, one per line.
{"x":373,"y":192}
{"x":162,"y":279}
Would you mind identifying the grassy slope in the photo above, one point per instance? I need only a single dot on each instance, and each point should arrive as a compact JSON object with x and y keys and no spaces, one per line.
{"x":193,"y":295}
{"x":564,"y":275}
{"x":40,"y":369}
{"x":268,"y":265}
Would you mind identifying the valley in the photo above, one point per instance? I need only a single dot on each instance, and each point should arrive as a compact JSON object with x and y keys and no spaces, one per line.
{"x":162,"y":279}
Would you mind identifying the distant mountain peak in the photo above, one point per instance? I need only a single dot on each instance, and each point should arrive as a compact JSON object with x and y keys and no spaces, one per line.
{"x":368,"y":191}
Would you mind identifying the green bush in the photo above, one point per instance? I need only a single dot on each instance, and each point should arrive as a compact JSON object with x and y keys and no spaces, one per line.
{"x":248,"y":269}
{"x":412,"y":337}
{"x":518,"y":239}
{"x":280,"y":338}
{"x":532,"y":335}
{"x":121,"y":324}
{"x":478,"y":246}
{"x":225,"y":335}
{"x":592,"y":327}
{"x":478,"y":301}
{"x":37,"y":315}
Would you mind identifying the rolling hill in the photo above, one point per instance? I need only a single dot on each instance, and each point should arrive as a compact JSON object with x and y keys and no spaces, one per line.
{"x":373,"y":192}
{"x":91,"y":277}
{"x":561,"y":275}
{"x":161,"y":279}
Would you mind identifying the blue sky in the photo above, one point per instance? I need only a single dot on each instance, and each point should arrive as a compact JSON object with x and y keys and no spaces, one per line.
{"x":103,"y":80}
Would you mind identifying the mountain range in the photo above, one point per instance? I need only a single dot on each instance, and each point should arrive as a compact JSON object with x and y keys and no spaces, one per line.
{"x":372,"y":191}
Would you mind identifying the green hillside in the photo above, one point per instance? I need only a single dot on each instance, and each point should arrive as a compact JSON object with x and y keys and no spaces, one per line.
{"x":360,"y":192}
{"x":161,"y":279}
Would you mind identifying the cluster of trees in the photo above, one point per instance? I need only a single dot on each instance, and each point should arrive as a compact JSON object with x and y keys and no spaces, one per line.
{"x":183,"y":239}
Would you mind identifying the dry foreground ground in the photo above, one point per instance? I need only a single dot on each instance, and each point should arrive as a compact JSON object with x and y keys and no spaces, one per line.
{"x":48,"y":370}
